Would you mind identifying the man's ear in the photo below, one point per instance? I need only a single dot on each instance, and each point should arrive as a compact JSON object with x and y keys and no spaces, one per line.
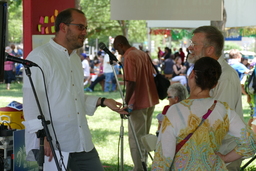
{"x":63,"y":27}
{"x":210,"y":51}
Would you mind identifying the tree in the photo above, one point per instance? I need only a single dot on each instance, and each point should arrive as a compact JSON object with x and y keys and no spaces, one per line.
{"x":14,"y":21}
{"x":101,"y":26}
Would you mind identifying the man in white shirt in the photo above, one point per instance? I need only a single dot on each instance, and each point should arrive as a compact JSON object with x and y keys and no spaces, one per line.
{"x":108,"y":72}
{"x":209,"y":41}
{"x":86,"y":68}
{"x":64,"y":85}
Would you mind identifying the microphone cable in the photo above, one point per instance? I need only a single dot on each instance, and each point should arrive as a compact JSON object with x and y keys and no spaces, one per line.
{"x":50,"y":114}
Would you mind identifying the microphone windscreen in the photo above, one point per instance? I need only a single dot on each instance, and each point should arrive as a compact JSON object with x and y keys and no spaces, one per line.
{"x":102,"y":45}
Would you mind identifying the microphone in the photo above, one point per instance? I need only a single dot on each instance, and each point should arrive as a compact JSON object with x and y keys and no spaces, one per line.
{"x":111,"y":55}
{"x":18,"y":60}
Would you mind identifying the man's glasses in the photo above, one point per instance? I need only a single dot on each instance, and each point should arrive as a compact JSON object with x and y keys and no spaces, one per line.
{"x":81,"y":27}
{"x":190,"y":43}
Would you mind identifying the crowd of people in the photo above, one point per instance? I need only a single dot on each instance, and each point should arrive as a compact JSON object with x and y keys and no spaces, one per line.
{"x":12,"y":71}
{"x":200,"y":129}
{"x":101,"y":71}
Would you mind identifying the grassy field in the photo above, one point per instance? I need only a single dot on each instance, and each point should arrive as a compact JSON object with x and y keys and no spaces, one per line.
{"x":105,"y":127}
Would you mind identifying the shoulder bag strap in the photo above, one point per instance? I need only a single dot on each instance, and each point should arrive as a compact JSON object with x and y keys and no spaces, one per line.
{"x":182,"y":142}
{"x":157,"y":72}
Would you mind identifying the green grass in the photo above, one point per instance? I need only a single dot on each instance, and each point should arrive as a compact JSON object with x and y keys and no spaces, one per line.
{"x":105,"y":126}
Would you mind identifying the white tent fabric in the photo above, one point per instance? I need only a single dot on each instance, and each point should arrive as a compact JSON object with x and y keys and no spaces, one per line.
{"x":166,"y":9}
{"x":177,"y":23}
{"x":240,"y":13}
{"x":184,"y":13}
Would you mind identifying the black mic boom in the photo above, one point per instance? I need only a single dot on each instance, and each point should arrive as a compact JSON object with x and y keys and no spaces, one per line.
{"x":18,"y":60}
{"x":111,"y":55}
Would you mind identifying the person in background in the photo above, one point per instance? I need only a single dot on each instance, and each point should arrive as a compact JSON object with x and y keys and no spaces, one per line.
{"x":108,"y":72}
{"x":69,"y":105}
{"x":167,"y":53}
{"x":141,"y":48}
{"x":99,"y":79}
{"x":182,"y":55}
{"x":156,"y":64}
{"x":246,"y":63}
{"x":97,"y":75}
{"x":19,"y":52}
{"x":251,"y":100}
{"x":176,"y":93}
{"x":160,"y":54}
{"x":86,"y":67}
{"x":167,"y":67}
{"x":209,"y":41}
{"x":201,"y":151}
{"x":8,"y":69}
{"x":141,"y":95}
{"x":235,"y":62}
{"x":147,"y":52}
{"x":175,"y":50}
{"x":179,"y":72}
{"x":14,"y":53}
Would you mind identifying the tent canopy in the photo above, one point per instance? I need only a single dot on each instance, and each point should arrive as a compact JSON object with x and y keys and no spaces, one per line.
{"x":166,"y":9}
{"x":185,"y":13}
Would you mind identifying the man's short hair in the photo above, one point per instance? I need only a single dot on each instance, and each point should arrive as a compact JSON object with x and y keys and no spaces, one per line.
{"x":65,"y":16}
{"x":214,"y":37}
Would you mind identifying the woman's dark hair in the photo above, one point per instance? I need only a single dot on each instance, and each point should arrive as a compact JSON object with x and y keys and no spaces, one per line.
{"x":207,"y":72}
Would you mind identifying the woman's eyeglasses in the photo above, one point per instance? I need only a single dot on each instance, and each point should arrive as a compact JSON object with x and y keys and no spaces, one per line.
{"x":170,"y":97}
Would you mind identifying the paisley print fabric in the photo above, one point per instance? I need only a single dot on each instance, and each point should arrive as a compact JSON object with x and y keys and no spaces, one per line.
{"x":199,"y":151}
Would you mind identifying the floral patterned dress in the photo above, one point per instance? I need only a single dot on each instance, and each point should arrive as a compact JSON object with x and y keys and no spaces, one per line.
{"x":198,"y":153}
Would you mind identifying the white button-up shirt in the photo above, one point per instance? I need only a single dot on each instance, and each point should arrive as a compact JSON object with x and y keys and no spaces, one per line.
{"x":68,"y":104}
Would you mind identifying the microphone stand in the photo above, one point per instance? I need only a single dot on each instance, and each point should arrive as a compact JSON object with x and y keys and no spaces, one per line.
{"x":44,"y":132}
{"x":129,"y":121}
{"x":249,"y":162}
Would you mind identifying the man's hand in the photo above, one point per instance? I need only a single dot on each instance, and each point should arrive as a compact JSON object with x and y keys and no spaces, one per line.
{"x":248,"y":98}
{"x":47,"y":149}
{"x":115,"y":106}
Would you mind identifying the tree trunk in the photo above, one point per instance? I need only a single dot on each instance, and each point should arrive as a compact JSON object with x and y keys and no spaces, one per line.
{"x":124,"y":27}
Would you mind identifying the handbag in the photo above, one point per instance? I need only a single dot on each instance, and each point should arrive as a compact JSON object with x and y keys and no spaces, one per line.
{"x":162,"y":84}
{"x":205,"y":116}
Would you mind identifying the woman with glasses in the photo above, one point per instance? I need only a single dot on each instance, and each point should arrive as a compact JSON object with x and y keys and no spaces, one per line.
{"x":206,"y":121}
{"x":176,"y":93}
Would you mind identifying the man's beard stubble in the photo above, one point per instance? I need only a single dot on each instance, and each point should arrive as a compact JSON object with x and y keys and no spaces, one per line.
{"x":194,"y":58}
{"x":74,"y":40}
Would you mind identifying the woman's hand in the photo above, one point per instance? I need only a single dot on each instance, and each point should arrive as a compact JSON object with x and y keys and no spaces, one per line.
{"x":221,"y":156}
{"x":230,"y":157}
